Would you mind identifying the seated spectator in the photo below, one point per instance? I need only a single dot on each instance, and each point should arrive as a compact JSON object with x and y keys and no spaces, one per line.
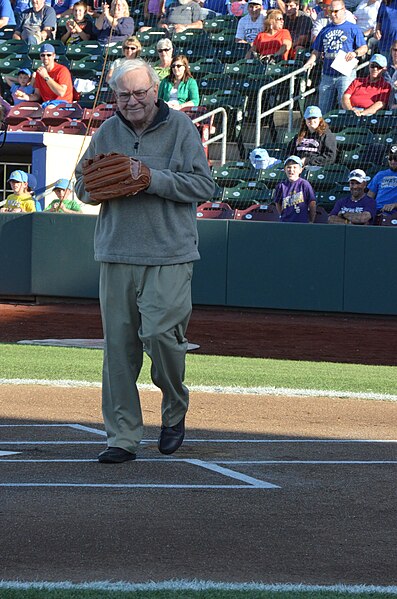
{"x":115,"y":23}
{"x":274,"y":41}
{"x":165,"y":51}
{"x":62,"y":8}
{"x":79,"y":27}
{"x":315,"y":143}
{"x":390,"y":75}
{"x":179,"y":89}
{"x":53,"y":83}
{"x":295,"y":198}
{"x":63,"y":204}
{"x":383,"y":186}
{"x":386,"y":25}
{"x":131,"y":48}
{"x":299,"y":25}
{"x":36,"y":24}
{"x":20,"y":85}
{"x":357,"y":208}
{"x":252,"y":24}
{"x":20,"y":200}
{"x":367,"y":95}
{"x":182,"y":15}
{"x":7,"y":16}
{"x":366,"y":14}
{"x":153,"y":10}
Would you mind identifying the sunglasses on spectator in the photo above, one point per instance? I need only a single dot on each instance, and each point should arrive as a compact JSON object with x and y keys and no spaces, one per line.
{"x":46,"y":54}
{"x":334,"y":12}
{"x":164,"y":50}
{"x":279,"y":18}
{"x":130,"y":48}
{"x":177,"y":66}
{"x":373,"y":65}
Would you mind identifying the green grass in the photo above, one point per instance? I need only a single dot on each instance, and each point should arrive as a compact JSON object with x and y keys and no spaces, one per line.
{"x":37,"y":362}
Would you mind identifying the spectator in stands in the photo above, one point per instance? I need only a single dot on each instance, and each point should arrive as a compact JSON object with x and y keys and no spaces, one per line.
{"x":182,"y":15}
{"x":252,"y":24}
{"x":63,"y":8}
{"x":63,"y":204}
{"x":32,"y":185}
{"x":115,"y":23}
{"x":367,"y":95}
{"x":386,"y":25}
{"x":391,"y":75}
{"x":53,"y":83}
{"x":179,"y":89}
{"x":36,"y":24}
{"x":339,"y":35}
{"x":7,"y":16}
{"x":153,"y":11}
{"x":20,"y":85}
{"x":357,"y":208}
{"x":274,"y":42}
{"x":210,"y":9}
{"x":20,"y":200}
{"x":366,"y":15}
{"x":295,"y":198}
{"x":323,"y":18}
{"x":131,"y":48}
{"x":383,"y":186}
{"x":299,"y":25}
{"x":79,"y":27}
{"x":315,"y":143}
{"x":165,"y":51}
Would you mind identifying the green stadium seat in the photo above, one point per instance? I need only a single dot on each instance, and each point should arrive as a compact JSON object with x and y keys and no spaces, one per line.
{"x":12,"y":47}
{"x":383,"y":121}
{"x":234,"y":173}
{"x":151,"y":36}
{"x":327,"y":177}
{"x":150,"y":53}
{"x":86,"y":68}
{"x":14,"y":63}
{"x":231,"y":54}
{"x":83,"y":49}
{"x":60,"y":49}
{"x":271,"y":176}
{"x":341,"y":119}
{"x":213,"y":82}
{"x":206,"y":66}
{"x":220,"y":24}
{"x":247,"y":194}
{"x":351,"y":137}
{"x":7,"y":32}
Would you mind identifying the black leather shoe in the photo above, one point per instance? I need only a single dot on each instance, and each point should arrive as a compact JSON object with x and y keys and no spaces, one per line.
{"x":115,"y":455}
{"x":171,"y":437}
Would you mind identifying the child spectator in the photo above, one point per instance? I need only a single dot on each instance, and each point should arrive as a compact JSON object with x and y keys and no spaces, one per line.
{"x":20,"y":200}
{"x":20,"y":85}
{"x":79,"y":27}
{"x":63,"y":203}
{"x":295,"y":198}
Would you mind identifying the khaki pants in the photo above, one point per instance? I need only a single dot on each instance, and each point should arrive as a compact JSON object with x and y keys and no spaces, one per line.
{"x":144,"y":308}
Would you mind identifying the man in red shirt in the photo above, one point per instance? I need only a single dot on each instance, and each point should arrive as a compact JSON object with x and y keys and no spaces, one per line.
{"x":367,"y":95}
{"x":53,"y":83}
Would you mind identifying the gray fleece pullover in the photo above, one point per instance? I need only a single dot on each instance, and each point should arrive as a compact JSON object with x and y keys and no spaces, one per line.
{"x":157,"y":226}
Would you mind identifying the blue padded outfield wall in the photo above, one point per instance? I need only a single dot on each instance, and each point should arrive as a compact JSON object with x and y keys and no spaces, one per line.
{"x":327,"y":268}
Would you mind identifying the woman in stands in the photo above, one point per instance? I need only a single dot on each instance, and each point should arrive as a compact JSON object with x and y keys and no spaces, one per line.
{"x":131,"y":48}
{"x":79,"y":28}
{"x":179,"y":89}
{"x":115,"y":23}
{"x":165,"y":51}
{"x":274,"y":41}
{"x":315,"y":143}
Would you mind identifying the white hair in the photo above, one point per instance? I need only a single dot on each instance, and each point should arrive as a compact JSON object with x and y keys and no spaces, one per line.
{"x":131,"y":65}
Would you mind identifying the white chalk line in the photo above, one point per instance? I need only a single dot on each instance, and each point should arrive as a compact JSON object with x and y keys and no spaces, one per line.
{"x":199,"y":585}
{"x":282,"y":391}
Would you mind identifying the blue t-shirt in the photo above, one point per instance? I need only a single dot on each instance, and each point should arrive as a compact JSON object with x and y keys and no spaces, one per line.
{"x":294,"y":198}
{"x":387,"y":20}
{"x":365,"y":204}
{"x":332,"y":38}
{"x":218,"y":6}
{"x":28,"y":89}
{"x":384,"y":186}
{"x":61,"y":5}
{"x":6,"y":11}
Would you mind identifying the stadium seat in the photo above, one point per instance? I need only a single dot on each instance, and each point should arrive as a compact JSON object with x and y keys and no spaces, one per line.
{"x":221,"y":23}
{"x":206,"y":66}
{"x":196,"y":52}
{"x":271,"y":176}
{"x":248,"y":193}
{"x":231,"y":54}
{"x":15,"y":62}
{"x":55,"y":115}
{"x":327,"y":199}
{"x":96,"y":116}
{"x":386,"y":139}
{"x":27,"y":125}
{"x":7,"y":32}
{"x":149,"y":53}
{"x":214,"y":210}
{"x":341,"y":119}
{"x":326,"y":177}
{"x":70,"y":128}
{"x":231,"y":174}
{"x":60,"y":49}
{"x":212,"y":82}
{"x":321,"y":215}
{"x":223,"y":39}
{"x":189,"y":37}
{"x":23,"y":111}
{"x":235,"y":105}
{"x":385,"y":219}
{"x":151,"y":36}
{"x":244,"y":67}
{"x":83,"y":49}
{"x":383,"y":121}
{"x":363,"y":156}
{"x":351,"y":137}
{"x":259,"y":212}
{"x":88,"y":67}
{"x":11,"y":47}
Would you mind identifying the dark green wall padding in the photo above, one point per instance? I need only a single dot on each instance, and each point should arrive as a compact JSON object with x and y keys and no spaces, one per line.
{"x":327,"y":268}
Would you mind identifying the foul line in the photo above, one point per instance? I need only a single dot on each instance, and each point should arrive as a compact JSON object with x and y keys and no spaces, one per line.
{"x":283,"y":391}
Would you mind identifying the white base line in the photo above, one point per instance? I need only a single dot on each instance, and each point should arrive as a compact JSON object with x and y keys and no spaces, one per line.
{"x":172,"y":460}
{"x":128,"y":486}
{"x":230,"y":441}
{"x":260,"y":484}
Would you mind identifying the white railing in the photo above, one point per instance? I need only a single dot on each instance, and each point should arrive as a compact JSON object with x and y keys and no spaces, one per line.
{"x":221,"y":136}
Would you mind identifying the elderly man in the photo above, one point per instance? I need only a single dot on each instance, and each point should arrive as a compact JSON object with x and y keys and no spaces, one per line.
{"x":339,"y":35}
{"x":36,"y":24}
{"x":182,"y":15}
{"x":367,"y":95}
{"x":249,"y":26}
{"x":357,"y":208}
{"x":146,"y":244}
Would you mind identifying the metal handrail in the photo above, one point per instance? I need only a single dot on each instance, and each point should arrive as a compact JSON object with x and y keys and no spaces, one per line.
{"x":221,"y":136}
{"x":290,"y":102}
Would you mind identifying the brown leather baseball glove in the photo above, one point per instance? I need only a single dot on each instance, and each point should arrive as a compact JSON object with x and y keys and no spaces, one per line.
{"x":110,"y":176}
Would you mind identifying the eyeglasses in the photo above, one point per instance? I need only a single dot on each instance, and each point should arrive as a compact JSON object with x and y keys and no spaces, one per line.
{"x":279,"y":18}
{"x":375,"y":66}
{"x":177,"y":66}
{"x":164,"y":50}
{"x":132,"y":48}
{"x":334,"y":12}
{"x":125,"y":97}
{"x":46,"y":54}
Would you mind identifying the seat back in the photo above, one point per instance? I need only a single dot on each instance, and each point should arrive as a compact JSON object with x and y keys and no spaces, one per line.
{"x":23,"y":111}
{"x":219,"y":210}
{"x":70,"y":128}
{"x":55,"y":115}
{"x":259,"y":212}
{"x":34,"y":125}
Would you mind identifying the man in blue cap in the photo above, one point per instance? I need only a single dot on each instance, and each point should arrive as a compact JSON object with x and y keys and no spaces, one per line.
{"x":20,"y":200}
{"x":36,"y":24}
{"x":63,"y":204}
{"x":367,"y":95}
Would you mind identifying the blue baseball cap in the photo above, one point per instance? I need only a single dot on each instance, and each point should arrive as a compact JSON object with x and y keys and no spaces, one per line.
{"x":25,"y":72}
{"x":20,"y":176}
{"x":32,"y":182}
{"x":294,"y":159}
{"x":312,"y":112}
{"x":63,"y":184}
{"x":379,"y":59}
{"x":47,"y":48}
